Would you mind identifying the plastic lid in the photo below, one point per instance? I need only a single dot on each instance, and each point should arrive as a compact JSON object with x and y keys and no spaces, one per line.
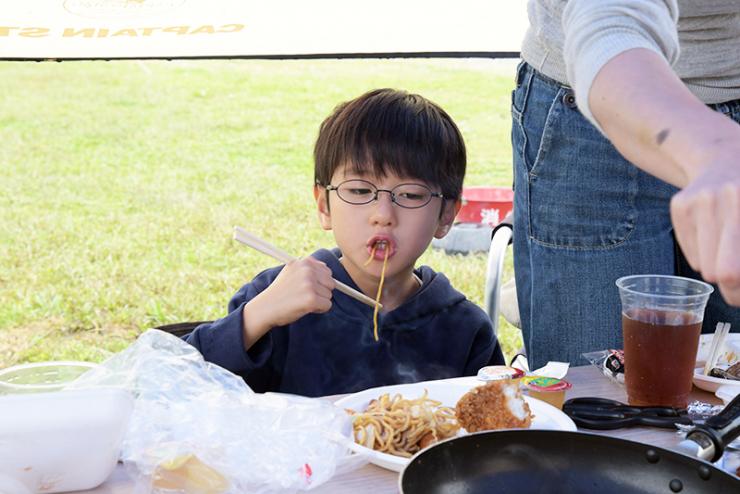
{"x":498,"y":372}
{"x":546,"y":384}
{"x":41,"y":376}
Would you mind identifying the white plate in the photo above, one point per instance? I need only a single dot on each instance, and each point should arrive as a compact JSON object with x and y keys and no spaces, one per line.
{"x":546,"y":416}
{"x":727,"y":392}
{"x":709,"y":383}
{"x":730,"y":352}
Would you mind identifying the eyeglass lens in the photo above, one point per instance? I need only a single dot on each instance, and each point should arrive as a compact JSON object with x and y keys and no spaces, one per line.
{"x":405,"y":195}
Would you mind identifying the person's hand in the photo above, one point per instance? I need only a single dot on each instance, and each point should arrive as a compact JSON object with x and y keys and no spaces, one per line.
{"x":706,"y":218}
{"x":303,"y":286}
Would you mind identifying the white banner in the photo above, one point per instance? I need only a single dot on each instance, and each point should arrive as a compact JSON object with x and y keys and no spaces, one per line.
{"x":84,"y":29}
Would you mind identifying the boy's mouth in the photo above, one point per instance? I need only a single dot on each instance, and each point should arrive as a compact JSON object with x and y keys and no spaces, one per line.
{"x":378,"y":247}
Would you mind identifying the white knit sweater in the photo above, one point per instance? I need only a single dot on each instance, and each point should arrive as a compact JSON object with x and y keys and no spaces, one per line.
{"x":570,"y":40}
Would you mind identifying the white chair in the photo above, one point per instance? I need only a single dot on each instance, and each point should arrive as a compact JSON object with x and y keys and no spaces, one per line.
{"x":500,"y":239}
{"x":500,"y":298}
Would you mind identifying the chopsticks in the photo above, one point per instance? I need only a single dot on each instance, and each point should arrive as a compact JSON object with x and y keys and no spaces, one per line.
{"x":718,"y":340}
{"x":243,"y":236}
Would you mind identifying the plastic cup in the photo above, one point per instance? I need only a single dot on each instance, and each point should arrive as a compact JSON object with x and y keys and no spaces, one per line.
{"x":548,"y":389}
{"x":661,"y":324}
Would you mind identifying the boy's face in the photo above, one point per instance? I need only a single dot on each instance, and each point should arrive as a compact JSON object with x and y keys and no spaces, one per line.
{"x":404,"y":234}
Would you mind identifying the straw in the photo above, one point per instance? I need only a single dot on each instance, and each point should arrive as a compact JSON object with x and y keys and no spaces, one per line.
{"x":243,"y":236}
{"x":718,"y":341}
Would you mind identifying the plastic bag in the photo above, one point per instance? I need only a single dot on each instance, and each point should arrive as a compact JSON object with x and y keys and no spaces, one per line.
{"x":609,"y":362}
{"x":199,"y":429}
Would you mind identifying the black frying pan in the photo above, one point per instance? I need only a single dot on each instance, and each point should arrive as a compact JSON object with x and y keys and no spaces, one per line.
{"x":544,"y":462}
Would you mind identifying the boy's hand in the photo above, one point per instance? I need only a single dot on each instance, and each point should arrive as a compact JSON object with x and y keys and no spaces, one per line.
{"x":304,"y":286}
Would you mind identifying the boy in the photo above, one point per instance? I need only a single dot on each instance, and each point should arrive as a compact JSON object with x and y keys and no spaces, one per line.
{"x":389,"y":169}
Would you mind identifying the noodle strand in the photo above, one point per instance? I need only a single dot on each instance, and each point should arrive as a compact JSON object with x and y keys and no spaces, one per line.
{"x":380,"y":291}
{"x":372,"y":254}
{"x":398,"y":426}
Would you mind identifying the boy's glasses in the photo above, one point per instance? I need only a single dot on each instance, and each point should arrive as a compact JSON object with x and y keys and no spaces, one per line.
{"x":409,"y":196}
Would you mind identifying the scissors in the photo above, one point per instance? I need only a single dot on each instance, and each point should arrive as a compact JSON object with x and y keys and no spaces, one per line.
{"x":605,"y":414}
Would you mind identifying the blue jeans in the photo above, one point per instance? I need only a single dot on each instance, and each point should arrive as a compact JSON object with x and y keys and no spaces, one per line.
{"x":583,"y":217}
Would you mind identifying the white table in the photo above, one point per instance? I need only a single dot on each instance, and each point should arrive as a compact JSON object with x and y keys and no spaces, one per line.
{"x":370,"y":479}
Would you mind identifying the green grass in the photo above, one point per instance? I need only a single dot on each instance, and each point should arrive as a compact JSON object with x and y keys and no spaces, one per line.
{"x":121,"y":182}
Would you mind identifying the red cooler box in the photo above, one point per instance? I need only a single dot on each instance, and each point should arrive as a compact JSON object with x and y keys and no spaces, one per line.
{"x":485,"y":205}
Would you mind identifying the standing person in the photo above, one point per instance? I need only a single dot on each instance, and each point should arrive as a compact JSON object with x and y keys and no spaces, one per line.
{"x":625,"y":138}
{"x":389,"y":169}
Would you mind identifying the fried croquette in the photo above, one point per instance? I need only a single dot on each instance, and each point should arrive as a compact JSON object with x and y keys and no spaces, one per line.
{"x":495,"y":405}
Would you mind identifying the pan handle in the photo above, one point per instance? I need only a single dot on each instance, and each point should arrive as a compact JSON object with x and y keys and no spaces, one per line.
{"x":708,"y":441}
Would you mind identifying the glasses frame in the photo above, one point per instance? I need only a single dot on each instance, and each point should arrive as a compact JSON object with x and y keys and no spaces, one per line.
{"x":377,"y":190}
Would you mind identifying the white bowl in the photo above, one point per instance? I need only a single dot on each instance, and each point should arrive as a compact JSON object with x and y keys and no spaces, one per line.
{"x":61,"y":441}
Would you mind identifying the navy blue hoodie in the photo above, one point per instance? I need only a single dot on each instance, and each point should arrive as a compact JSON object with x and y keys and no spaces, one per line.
{"x":435,"y":334}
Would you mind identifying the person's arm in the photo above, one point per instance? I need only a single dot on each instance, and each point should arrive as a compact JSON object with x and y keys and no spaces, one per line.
{"x":655,"y":121}
{"x":657,"y":124}
{"x":241,"y":342}
{"x":619,"y":53}
{"x":303,"y":286}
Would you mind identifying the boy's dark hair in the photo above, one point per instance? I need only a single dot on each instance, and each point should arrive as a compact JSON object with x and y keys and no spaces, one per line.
{"x":387,"y":130}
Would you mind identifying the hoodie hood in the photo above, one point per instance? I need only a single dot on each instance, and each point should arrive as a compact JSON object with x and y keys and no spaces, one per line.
{"x":435,"y":295}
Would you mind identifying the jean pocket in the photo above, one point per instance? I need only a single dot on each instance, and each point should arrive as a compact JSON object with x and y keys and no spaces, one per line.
{"x":515,"y":112}
{"x":582,"y":192}
{"x":519,"y":102}
{"x":518,"y":135}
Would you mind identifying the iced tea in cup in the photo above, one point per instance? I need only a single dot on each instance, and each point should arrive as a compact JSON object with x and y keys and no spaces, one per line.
{"x":661,"y":324}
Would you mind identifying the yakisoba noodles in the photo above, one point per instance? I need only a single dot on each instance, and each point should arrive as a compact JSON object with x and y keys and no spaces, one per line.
{"x":380,"y":286}
{"x":402,"y":427}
